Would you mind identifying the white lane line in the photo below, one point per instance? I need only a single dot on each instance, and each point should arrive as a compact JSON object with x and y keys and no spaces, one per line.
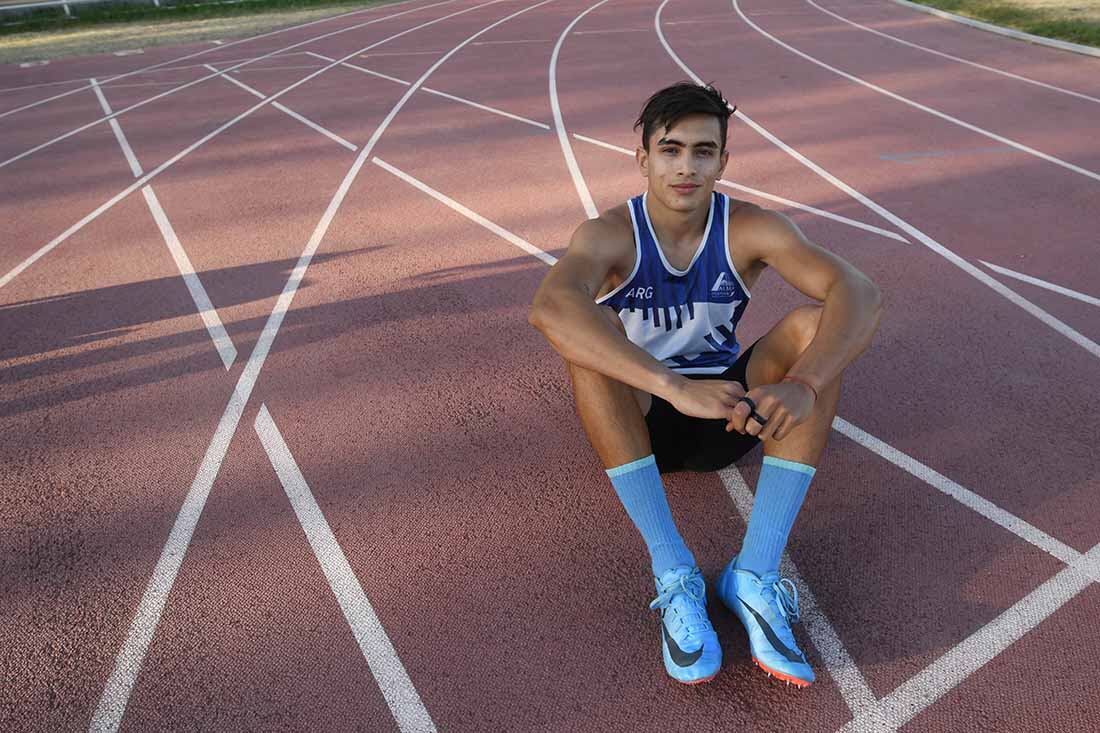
{"x":1017,"y":526}
{"x":1043,"y":284}
{"x":559,"y":125}
{"x":123,"y":143}
{"x":208,"y":50}
{"x":116,"y":694}
{"x":283,"y":108}
{"x":1073,"y":335}
{"x":469,"y":214}
{"x":107,"y":205}
{"x":976,"y":65}
{"x":977,"y":650}
{"x":768,"y":196}
{"x":445,"y":95}
{"x":917,"y":105}
{"x":398,"y":690}
{"x":200,"y":80}
{"x":839,"y":663}
{"x":226,"y":350}
{"x":222,"y":343}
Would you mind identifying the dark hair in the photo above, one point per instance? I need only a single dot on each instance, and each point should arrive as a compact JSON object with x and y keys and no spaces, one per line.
{"x":671,"y":104}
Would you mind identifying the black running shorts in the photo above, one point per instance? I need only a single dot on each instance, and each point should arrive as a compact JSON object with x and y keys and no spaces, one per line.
{"x":688,"y":443}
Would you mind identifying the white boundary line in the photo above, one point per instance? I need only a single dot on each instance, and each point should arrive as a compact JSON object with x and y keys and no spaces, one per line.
{"x":283,"y":108}
{"x":842,"y":668}
{"x":977,"y":650}
{"x":468,"y":213}
{"x":1043,"y":284}
{"x":1018,"y":35}
{"x":975,"y":64}
{"x":116,"y":694}
{"x":398,"y":690}
{"x":768,"y":196}
{"x":53,"y":243}
{"x":559,"y":125}
{"x":438,"y":93}
{"x":917,"y":105}
{"x":209,"y":315}
{"x":205,"y":51}
{"x":200,"y":80}
{"x":1072,"y":334}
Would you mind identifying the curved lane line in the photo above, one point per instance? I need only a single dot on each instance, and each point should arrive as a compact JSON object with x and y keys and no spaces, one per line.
{"x":200,"y":80}
{"x":116,"y":694}
{"x":190,"y":56}
{"x":917,"y":105}
{"x":559,"y":126}
{"x":1066,"y":330}
{"x":53,"y":243}
{"x":975,"y":64}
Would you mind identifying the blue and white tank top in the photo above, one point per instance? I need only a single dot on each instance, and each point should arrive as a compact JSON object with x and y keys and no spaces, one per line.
{"x":684,"y":318}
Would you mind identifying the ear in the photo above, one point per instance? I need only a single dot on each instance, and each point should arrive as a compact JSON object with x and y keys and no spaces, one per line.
{"x":642,"y":157}
{"x":725,"y":158}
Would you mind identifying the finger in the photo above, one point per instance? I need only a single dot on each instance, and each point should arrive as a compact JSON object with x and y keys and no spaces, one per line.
{"x":783,"y":429}
{"x":755,"y":424}
{"x":773,"y":424}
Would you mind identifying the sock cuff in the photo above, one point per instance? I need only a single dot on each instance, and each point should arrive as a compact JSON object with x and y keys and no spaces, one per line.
{"x":790,"y":465}
{"x":632,"y":466}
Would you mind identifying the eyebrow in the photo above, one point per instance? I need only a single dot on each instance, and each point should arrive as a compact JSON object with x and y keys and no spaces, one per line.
{"x":674,"y":141}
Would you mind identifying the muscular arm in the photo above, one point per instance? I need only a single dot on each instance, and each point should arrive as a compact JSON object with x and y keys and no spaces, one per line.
{"x":852,"y":304}
{"x":565,"y":311}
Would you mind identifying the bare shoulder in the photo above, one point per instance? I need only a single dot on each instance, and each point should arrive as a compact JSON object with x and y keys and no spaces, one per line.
{"x":611,"y":230}
{"x":761,"y":232}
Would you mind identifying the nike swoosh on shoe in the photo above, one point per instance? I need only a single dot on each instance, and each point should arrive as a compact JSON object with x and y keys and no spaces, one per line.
{"x":791,"y":655}
{"x":678,"y":655}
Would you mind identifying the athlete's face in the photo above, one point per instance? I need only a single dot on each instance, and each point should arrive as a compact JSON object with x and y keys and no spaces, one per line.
{"x":684,"y":161}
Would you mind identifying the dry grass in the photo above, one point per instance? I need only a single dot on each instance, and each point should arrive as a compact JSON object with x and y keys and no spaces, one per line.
{"x":102,"y":38}
{"x":1077,"y":21}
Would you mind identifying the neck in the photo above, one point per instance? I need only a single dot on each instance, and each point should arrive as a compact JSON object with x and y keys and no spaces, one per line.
{"x":677,"y":227}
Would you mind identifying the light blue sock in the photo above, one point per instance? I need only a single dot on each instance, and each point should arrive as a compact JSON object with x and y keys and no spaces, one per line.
{"x":779,"y":494}
{"x":642,"y":493}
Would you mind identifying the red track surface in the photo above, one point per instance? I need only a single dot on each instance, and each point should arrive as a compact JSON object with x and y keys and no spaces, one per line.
{"x":434,"y":428}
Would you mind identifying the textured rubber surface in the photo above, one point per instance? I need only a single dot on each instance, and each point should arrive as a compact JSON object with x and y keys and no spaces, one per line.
{"x":434,"y":427}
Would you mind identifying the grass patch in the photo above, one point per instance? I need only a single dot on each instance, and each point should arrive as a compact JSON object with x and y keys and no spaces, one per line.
{"x":1077,"y":21}
{"x":148,"y":26}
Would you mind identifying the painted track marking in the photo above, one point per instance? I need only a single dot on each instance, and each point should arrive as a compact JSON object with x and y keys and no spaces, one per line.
{"x":917,"y":105}
{"x":209,"y":315}
{"x":1063,"y":328}
{"x":1043,"y":284}
{"x":116,"y":694}
{"x":397,"y":689}
{"x":975,"y":64}
{"x":559,"y":125}
{"x":977,"y":650}
{"x":107,"y":205}
{"x":200,"y":80}
{"x":838,"y":662}
{"x":445,"y":95}
{"x":768,"y":196}
{"x":200,"y":53}
{"x":283,"y":108}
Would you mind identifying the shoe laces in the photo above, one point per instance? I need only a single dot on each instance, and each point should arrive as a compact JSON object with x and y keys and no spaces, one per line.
{"x":683,"y":599}
{"x":787,"y":596}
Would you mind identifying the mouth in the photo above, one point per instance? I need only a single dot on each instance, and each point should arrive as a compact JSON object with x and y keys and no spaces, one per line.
{"x":685,"y":188}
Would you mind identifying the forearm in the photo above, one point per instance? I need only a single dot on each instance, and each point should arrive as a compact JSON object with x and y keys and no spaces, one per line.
{"x":582,"y":334}
{"x":849,"y":319}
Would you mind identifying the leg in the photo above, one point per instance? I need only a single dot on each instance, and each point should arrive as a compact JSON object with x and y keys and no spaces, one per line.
{"x":773,"y":355}
{"x":612,"y":413}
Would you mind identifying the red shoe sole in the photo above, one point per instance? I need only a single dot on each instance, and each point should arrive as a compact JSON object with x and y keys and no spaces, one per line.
{"x":780,"y":676}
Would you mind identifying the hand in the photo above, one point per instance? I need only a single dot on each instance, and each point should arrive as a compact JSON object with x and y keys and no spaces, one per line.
{"x":783,"y":406}
{"x":708,"y":398}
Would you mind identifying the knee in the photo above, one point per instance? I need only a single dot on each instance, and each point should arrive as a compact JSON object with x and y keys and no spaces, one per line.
{"x":803,"y":322}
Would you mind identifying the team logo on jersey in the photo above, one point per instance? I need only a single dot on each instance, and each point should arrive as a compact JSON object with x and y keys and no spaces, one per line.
{"x":723,"y":286}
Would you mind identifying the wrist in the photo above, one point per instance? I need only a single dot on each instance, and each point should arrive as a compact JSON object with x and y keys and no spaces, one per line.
{"x":669,"y":385}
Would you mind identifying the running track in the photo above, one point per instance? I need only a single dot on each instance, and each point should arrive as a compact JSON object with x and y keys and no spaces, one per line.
{"x":280,"y":451}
